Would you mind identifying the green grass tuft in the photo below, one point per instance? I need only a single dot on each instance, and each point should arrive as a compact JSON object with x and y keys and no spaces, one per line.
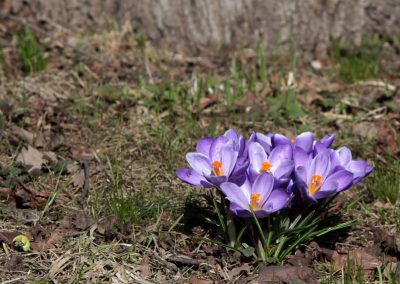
{"x":384,"y":183}
{"x":31,"y":52}
{"x":356,"y":64}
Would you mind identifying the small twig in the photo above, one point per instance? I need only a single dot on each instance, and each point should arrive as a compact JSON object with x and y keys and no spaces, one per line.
{"x":85,"y":166}
{"x":12,"y":280}
{"x":183,"y":260}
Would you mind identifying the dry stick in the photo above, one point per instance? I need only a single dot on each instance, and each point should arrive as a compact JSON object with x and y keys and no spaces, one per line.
{"x":86,"y":175}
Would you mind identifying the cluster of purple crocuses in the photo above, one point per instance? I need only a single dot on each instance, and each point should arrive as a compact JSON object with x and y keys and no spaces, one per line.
{"x":268,"y":172}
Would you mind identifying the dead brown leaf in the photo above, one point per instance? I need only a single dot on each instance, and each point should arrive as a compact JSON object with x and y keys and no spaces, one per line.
{"x":269,"y":274}
{"x":359,"y":257}
{"x":40,"y":140}
{"x":32,"y":160}
{"x":194,"y":279}
{"x":27,"y":196}
{"x":300,"y":259}
{"x":245,"y":268}
{"x":365,"y":130}
{"x":53,"y":241}
{"x":8,"y":236}
{"x":24,"y":134}
{"x":78,"y":179}
{"x":79,"y":221}
{"x":211,"y":99}
{"x":251,"y":102}
{"x":386,"y":139}
{"x":5,"y":193}
{"x":82,"y":152}
{"x":145,"y":267}
{"x":387,"y":242}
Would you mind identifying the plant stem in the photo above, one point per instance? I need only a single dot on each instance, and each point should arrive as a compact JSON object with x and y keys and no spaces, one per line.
{"x":230,"y":222}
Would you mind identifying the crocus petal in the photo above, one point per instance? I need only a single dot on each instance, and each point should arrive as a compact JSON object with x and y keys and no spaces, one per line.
{"x":305,"y":141}
{"x":261,"y":213}
{"x":265,"y":141}
{"x":216,"y":147}
{"x":228,"y":159}
{"x":320,"y":165}
{"x":344,"y":155}
{"x":343,"y":178}
{"x":278,"y":139}
{"x":327,"y":140}
{"x":257,"y":155}
{"x":235,"y":194}
{"x":204,"y":145}
{"x":276,"y":201}
{"x":319,"y":147}
{"x":263,"y":185}
{"x":360,"y":169}
{"x":192,"y":177}
{"x":284,"y":169}
{"x":216,"y":180}
{"x":199,"y":162}
{"x":300,"y":157}
{"x":328,"y":188}
{"x":281,"y":152}
{"x":239,"y":211}
{"x":231,"y":134}
{"x":301,"y":174}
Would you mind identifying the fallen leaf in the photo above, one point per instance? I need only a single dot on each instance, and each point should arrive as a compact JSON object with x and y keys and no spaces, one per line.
{"x":238,"y":270}
{"x":53,"y":241}
{"x":359,"y":257}
{"x":78,"y":180}
{"x":28,"y":197}
{"x":194,"y":279}
{"x":300,"y":259}
{"x":23,"y":134}
{"x":145,"y":267}
{"x":79,"y":221}
{"x":365,"y":130}
{"x":82,"y":152}
{"x":386,"y":139}
{"x":250,"y":101}
{"x":40,"y":141}
{"x":5,"y":193}
{"x":8,"y":236}
{"x":269,"y":274}
{"x":387,"y":242}
{"x":51,"y":158}
{"x":211,"y":99}
{"x":72,"y":168}
{"x":32,"y":160}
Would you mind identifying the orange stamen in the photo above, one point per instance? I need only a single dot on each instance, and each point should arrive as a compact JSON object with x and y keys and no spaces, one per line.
{"x":217,"y":169}
{"x":265,"y":167}
{"x":292,"y":140}
{"x":315,"y":184}
{"x":255,"y":201}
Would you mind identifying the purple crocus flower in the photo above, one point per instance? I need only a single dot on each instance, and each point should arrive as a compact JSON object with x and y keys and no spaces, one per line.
{"x":215,"y":161}
{"x":342,"y":158}
{"x":265,"y":140}
{"x":324,"y":143}
{"x":316,"y":178}
{"x":279,"y":162}
{"x":259,"y":197}
{"x":305,"y":141}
